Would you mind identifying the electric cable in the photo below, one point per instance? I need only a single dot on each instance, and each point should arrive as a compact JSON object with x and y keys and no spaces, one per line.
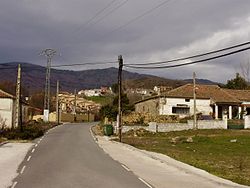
{"x":194,"y":56}
{"x":189,"y":63}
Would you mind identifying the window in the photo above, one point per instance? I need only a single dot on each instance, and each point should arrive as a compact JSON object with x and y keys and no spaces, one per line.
{"x":187,"y":100}
{"x":180,"y":110}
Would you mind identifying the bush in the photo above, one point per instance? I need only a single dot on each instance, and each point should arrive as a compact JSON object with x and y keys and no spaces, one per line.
{"x":29,"y":132}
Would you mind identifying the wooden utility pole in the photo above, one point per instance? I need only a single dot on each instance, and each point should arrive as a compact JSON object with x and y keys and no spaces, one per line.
{"x":57,"y":102}
{"x":75,"y":107}
{"x":18,"y":94}
{"x":120,"y":61}
{"x":194,"y":94}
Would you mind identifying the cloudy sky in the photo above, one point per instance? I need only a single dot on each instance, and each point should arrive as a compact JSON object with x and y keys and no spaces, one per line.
{"x":141,"y":30}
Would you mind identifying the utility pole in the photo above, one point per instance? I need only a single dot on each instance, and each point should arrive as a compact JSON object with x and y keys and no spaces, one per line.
{"x":18,"y":89}
{"x":75,"y":107}
{"x":49,"y":53}
{"x":120,"y":61}
{"x":57,"y":102}
{"x":194,"y":94}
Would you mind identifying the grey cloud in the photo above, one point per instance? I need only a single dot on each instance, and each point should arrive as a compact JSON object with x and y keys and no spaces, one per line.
{"x":28,"y":26}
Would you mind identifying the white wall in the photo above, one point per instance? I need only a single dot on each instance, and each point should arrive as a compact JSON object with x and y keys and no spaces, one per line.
{"x":6,"y":111}
{"x":168,"y":127}
{"x":202,"y":105}
{"x":247,"y":122}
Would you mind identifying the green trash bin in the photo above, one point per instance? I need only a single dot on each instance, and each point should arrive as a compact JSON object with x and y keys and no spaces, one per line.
{"x":108,"y":130}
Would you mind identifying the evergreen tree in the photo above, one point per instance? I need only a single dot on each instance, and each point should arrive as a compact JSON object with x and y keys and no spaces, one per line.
{"x":237,"y":83}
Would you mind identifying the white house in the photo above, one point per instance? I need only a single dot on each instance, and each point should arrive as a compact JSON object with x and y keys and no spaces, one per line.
{"x":210,"y":100}
{"x":7,"y":111}
{"x":91,"y":92}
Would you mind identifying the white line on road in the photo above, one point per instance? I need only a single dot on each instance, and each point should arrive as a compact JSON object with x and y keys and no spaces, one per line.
{"x":146,"y":183}
{"x":40,"y":139}
{"x":36,"y":145}
{"x":14,"y":184}
{"x":33,"y":150}
{"x":23,"y":169}
{"x":126,"y":168}
{"x":29,"y":158}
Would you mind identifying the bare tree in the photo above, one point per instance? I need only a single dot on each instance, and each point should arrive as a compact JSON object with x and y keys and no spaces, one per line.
{"x":2,"y":123}
{"x":245,"y":70}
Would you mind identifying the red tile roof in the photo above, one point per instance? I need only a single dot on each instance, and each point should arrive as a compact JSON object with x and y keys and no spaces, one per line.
{"x":213,"y":92}
{"x":4,"y":94}
{"x":242,"y":95}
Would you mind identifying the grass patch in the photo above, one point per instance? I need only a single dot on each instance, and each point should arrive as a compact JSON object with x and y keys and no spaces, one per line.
{"x":98,"y":129}
{"x":103,"y":100}
{"x":225,"y":153}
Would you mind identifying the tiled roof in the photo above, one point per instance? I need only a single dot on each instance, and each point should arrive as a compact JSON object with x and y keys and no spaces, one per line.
{"x":213,"y":92}
{"x":242,"y":95}
{"x":4,"y":94}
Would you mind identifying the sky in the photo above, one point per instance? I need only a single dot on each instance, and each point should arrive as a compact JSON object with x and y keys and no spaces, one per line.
{"x":142,"y":31}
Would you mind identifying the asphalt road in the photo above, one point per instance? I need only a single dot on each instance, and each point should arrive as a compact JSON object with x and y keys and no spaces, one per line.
{"x":69,"y":157}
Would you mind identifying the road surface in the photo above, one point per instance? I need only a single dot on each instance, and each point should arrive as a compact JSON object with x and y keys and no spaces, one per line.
{"x":67,"y":156}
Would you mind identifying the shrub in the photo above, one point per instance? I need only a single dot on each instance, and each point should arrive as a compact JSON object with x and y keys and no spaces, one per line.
{"x":29,"y":132}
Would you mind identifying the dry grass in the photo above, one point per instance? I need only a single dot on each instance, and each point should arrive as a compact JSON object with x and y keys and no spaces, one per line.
{"x":98,"y":130}
{"x":225,"y":153}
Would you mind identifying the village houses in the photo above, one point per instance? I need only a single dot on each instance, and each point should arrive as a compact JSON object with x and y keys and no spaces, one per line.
{"x":211,"y":100}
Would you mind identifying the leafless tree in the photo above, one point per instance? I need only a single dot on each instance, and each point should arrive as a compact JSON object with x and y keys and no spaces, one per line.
{"x":2,"y":123}
{"x":245,"y":70}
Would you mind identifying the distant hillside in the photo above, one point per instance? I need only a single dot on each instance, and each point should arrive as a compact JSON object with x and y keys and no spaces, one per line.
{"x":150,"y":81}
{"x":202,"y":81}
{"x":33,"y":78}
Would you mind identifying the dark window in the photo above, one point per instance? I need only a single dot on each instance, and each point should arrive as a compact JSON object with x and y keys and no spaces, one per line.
{"x":187,"y":100}
{"x":180,"y":110}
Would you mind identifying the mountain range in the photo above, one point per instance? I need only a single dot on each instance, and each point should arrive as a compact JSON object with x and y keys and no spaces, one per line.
{"x":33,"y":78}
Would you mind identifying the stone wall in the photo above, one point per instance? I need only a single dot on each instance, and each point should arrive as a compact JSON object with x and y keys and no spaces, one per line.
{"x":168,"y":127}
{"x":140,"y":118}
{"x":148,"y":106}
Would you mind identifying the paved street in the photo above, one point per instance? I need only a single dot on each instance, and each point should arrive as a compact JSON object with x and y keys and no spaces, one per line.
{"x":11,"y":155}
{"x":69,"y":157}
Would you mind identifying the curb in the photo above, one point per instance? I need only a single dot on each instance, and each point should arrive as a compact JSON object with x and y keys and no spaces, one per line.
{"x":1,"y":144}
{"x":93,"y":134}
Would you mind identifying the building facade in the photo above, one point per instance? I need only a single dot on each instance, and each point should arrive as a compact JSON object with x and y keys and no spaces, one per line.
{"x":210,"y":100}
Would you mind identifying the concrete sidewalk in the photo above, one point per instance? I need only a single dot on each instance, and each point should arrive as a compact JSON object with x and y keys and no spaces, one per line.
{"x":11,"y":156}
{"x":161,"y":171}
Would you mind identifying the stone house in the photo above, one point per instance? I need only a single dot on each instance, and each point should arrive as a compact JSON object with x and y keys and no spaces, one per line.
{"x":210,"y":100}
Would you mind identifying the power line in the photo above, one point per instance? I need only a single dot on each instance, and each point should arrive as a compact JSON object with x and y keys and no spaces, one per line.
{"x":96,"y":15}
{"x":140,"y":16}
{"x":110,"y":12}
{"x":9,"y":67}
{"x":189,"y":63}
{"x":194,"y":56}
{"x":101,"y":18}
{"x":89,"y":63}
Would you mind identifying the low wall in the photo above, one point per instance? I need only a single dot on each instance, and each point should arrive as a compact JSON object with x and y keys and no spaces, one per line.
{"x":68,"y":117}
{"x":247,"y":122}
{"x":168,"y":127}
